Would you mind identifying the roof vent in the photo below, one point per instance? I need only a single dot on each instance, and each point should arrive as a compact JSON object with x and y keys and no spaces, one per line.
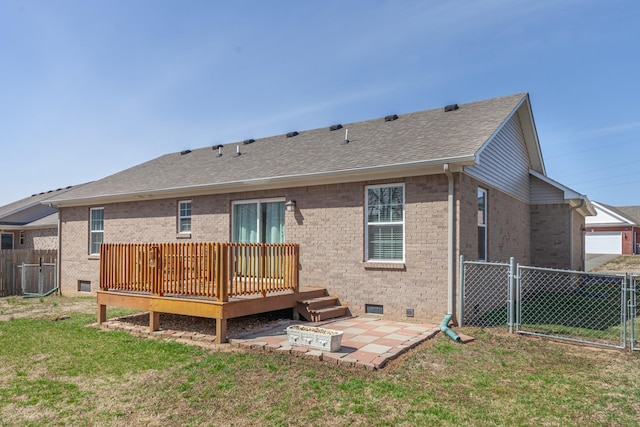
{"x":452,"y":107}
{"x":391,"y":118}
{"x":182,"y":153}
{"x":335,"y":127}
{"x":292,"y":134}
{"x":248,"y":141}
{"x":217,"y":147}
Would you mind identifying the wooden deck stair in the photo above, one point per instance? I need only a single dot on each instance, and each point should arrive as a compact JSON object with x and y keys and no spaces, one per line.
{"x":321,"y":308}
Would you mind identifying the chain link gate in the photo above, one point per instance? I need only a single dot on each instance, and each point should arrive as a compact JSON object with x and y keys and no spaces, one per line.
{"x":633,"y":312}
{"x":589,"y":308}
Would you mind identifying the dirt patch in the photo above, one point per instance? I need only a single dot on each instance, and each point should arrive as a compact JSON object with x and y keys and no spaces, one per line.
{"x":621,"y":264}
{"x":51,"y":307}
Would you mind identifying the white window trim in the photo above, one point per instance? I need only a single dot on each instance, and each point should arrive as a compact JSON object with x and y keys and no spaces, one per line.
{"x":486,"y":218}
{"x":91,"y":231}
{"x":367,"y":223}
{"x":180,"y":217}
{"x":246,"y":202}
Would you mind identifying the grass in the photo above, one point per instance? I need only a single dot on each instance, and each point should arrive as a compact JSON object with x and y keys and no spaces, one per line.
{"x":65,"y":373}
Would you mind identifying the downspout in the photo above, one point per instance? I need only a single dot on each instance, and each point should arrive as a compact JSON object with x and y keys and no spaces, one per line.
{"x":451,"y":261}
{"x":571,"y":266}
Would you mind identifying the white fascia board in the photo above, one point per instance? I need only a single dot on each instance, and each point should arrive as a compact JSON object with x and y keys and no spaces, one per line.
{"x":429,"y":167}
{"x":525,"y":113}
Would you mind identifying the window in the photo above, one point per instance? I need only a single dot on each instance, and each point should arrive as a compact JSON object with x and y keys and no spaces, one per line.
{"x":184,"y":216}
{"x":259,"y":221}
{"x":96,"y":223}
{"x":482,"y":224}
{"x":6,"y":241}
{"x":385,"y":223}
{"x":84,"y":286}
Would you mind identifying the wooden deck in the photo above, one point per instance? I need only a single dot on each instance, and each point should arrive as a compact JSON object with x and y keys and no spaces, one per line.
{"x":213,"y":280}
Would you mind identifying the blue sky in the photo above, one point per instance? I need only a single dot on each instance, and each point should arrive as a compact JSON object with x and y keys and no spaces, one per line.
{"x":89,"y":88}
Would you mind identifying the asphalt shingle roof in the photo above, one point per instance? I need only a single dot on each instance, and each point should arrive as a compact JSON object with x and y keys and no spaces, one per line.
{"x":25,"y":210}
{"x":430,"y":135}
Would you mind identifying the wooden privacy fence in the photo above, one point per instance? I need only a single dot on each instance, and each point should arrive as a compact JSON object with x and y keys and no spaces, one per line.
{"x":10,"y":261}
{"x":214,"y":270}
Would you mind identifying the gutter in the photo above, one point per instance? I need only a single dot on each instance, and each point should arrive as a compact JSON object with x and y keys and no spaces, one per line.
{"x":284,"y":181}
{"x":451,"y":261}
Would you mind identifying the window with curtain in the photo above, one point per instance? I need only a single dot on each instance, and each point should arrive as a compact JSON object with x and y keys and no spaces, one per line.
{"x":482,"y":224}
{"x":260,"y":221}
{"x":385,"y":223}
{"x":96,"y":234}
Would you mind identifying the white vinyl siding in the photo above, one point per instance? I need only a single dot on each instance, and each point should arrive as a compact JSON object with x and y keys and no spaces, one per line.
{"x":504,"y":161}
{"x":384,"y":223}
{"x":184,"y":216}
{"x":96,"y":233}
{"x":543,"y":193}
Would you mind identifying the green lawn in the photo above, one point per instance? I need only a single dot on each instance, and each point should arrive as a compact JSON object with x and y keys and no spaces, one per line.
{"x":66,"y":373}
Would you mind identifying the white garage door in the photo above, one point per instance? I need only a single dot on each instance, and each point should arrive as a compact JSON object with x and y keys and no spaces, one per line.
{"x":603,"y":243}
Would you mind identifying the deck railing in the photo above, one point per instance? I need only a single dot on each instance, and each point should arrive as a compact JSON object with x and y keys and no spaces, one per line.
{"x":215,"y":270}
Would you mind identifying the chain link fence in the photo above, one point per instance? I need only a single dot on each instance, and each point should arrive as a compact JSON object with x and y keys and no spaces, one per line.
{"x":591,"y":308}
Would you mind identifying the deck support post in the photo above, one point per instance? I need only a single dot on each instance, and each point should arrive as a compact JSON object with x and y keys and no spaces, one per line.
{"x":102,"y":314}
{"x":154,"y":321}
{"x":221,"y":331}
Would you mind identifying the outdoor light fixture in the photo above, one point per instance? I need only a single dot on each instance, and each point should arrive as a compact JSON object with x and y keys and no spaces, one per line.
{"x":290,"y":205}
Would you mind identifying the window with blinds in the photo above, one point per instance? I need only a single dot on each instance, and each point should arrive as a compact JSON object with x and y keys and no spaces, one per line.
{"x":96,"y":234}
{"x":385,"y":223}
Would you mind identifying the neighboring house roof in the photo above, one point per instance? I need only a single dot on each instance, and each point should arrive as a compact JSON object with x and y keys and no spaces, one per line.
{"x":610,"y":216}
{"x":415,"y":143}
{"x":31,"y":212}
{"x":631,"y":212}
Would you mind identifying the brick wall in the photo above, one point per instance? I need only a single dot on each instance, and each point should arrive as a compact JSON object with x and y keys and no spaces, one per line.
{"x":43,"y":239}
{"x":329,"y":226}
{"x":550,"y":239}
{"x":508,"y":224}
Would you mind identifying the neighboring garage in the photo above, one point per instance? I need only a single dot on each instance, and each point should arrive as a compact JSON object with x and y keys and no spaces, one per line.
{"x":613,"y":230}
{"x":604,"y":243}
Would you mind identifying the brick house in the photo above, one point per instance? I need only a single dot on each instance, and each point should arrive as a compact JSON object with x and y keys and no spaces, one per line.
{"x":382,"y":209}
{"x":613,"y":230}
